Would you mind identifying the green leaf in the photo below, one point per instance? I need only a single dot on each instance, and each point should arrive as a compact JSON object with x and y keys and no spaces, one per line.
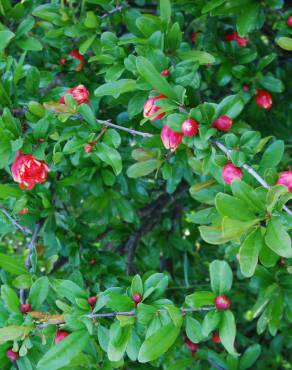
{"x":158,"y":343}
{"x":60,"y":355}
{"x":278,"y":239}
{"x":250,"y":356}
{"x":7,"y":191}
{"x":38,"y":292}
{"x":5,"y":38}
{"x":272,"y":84}
{"x":249,"y":252}
{"x":13,"y":332}
{"x":154,"y":78}
{"x":285,"y":43}
{"x":233,"y":229}
{"x":194,"y":330}
{"x":210,"y":322}
{"x":248,"y":19}
{"x":212,"y":4}
{"x":143,"y":168}
{"x":272,"y":156}
{"x":200,"y":299}
{"x":231,"y":106}
{"x":68,"y":289}
{"x":10,"y":299}
{"x":233,"y":207}
{"x":25,"y":26}
{"x":227,"y":332}
{"x":165,"y":10}
{"x":110,"y":156}
{"x":118,"y":341}
{"x":198,"y":56}
{"x":137,"y":285}
{"x":116,"y":88}
{"x":273,"y":196}
{"x":246,"y":193}
{"x":88,"y":115}
{"x":213,"y":234}
{"x":11,"y":265}
{"x":29,"y":44}
{"x":220,"y":276}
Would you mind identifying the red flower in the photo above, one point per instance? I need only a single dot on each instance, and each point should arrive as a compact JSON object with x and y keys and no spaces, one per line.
{"x":289,"y":21}
{"x":88,"y":148}
{"x":92,"y":300}
{"x":190,"y":127}
{"x":170,"y":138}
{"x":62,"y":61}
{"x":285,"y":179}
{"x":25,"y":307}
{"x":234,"y":36}
{"x":136,"y":298}
{"x":223,"y":123}
{"x":216,"y":338}
{"x":12,"y":355}
{"x":264,"y":99}
{"x":230,"y":173}
{"x":193,"y":347}
{"x":150,"y":108}
{"x":60,"y":335}
{"x":79,"y":93}
{"x":222,"y":302}
{"x":165,"y":72}
{"x":76,"y":55}
{"x":194,"y":36}
{"x":23,"y":211}
{"x":28,"y":171}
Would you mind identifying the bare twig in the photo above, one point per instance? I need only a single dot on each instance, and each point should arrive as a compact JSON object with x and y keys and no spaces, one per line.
{"x":23,"y":229}
{"x":117,"y":9}
{"x":122,"y":128}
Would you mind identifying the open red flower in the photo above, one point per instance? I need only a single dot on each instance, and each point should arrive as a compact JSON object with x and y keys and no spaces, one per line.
{"x":76,"y":55}
{"x":28,"y":171}
{"x":79,"y":93}
{"x":170,"y":138}
{"x":234,"y":36}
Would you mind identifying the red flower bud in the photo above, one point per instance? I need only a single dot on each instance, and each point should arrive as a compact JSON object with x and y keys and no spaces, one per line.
{"x":88,"y":148}
{"x":289,"y":21}
{"x":216,"y":338}
{"x":170,"y":138}
{"x":234,"y":36}
{"x":12,"y":355}
{"x":92,"y":300}
{"x":285,"y":178}
{"x":230,"y":173}
{"x":264,"y":99}
{"x":190,"y":127}
{"x":62,"y":61}
{"x":245,"y":87}
{"x":92,"y":262}
{"x":194,"y":36}
{"x":150,"y":108}
{"x":60,"y":335}
{"x":222,"y":302}
{"x":137,"y":298}
{"x":79,"y":93}
{"x":165,"y":72}
{"x":193,"y":347}
{"x":76,"y":55}
{"x":23,"y":211}
{"x":25,"y":307}
{"x":223,"y":123}
{"x":28,"y":171}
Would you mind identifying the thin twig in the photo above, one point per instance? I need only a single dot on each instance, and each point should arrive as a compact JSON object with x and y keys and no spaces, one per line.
{"x":249,"y":169}
{"x":122,"y":128}
{"x":117,"y":9}
{"x":23,"y":229}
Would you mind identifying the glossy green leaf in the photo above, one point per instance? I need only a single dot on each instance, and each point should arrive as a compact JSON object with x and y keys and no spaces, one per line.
{"x":278,"y":239}
{"x":5,"y":38}
{"x":220,"y":276}
{"x":38,"y":292}
{"x":143,"y":168}
{"x":227,"y":332}
{"x":200,"y":299}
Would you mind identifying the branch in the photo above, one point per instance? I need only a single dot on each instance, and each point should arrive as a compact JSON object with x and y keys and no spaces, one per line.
{"x":23,"y":229}
{"x":249,"y":169}
{"x":122,"y":128}
{"x":28,"y":262}
{"x":156,"y":209}
{"x":117,"y":9}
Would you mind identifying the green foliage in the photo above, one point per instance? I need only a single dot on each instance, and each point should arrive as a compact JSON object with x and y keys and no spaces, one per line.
{"x":151,"y":235}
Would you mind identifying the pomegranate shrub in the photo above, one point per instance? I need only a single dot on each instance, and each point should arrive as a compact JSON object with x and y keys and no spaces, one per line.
{"x":145,"y":189}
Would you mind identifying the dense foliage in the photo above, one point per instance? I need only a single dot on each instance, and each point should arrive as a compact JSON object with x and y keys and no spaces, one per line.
{"x":145,"y":184}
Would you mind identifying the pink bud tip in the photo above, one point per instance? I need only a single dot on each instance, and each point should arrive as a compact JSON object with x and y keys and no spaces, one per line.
{"x":92,"y":300}
{"x":25,"y":307}
{"x":264,"y":99}
{"x":222,"y":302}
{"x":60,"y":335}
{"x":190,"y":127}
{"x":285,"y":179}
{"x":231,"y":173}
{"x":223,"y":123}
{"x":12,"y":355}
{"x":136,"y":298}
{"x":216,"y":338}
